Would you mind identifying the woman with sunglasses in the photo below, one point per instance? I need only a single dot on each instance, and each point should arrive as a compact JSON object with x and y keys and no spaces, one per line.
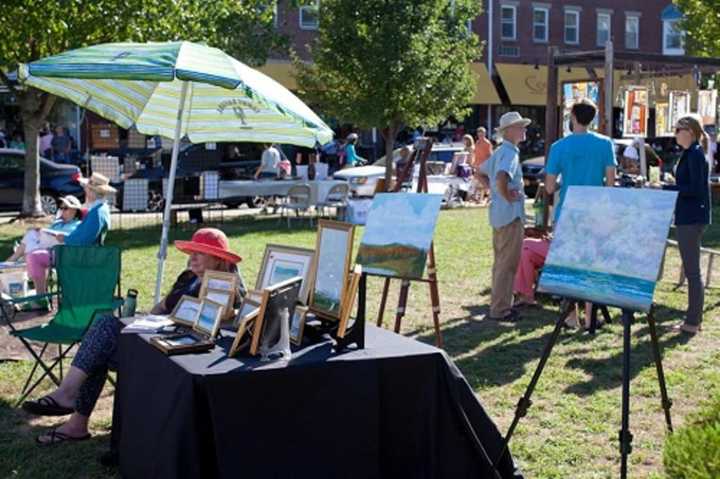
{"x":692,"y":212}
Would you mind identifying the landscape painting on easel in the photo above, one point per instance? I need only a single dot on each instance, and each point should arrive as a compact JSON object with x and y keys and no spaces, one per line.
{"x":596,"y":254}
{"x":398,"y":234}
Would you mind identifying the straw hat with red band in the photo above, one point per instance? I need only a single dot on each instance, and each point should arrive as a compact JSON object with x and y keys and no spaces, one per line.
{"x":210,"y":241}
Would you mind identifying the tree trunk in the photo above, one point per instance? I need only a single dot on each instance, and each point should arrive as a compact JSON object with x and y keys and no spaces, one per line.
{"x":389,"y":135}
{"x":34,"y":107}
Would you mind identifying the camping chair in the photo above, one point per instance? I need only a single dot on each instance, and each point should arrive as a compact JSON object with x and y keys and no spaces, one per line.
{"x":336,"y":198}
{"x":87,"y":278}
{"x":298,"y":198}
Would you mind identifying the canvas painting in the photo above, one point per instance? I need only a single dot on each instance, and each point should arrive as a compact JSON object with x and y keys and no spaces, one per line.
{"x":398,"y":234}
{"x":662,"y":128}
{"x":595,"y":254}
{"x":574,"y":91}
{"x":707,"y":106}
{"x":679,"y":107}
{"x":636,"y":112}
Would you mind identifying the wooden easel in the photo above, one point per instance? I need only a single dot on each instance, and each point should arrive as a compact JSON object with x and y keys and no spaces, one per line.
{"x":431,"y":267}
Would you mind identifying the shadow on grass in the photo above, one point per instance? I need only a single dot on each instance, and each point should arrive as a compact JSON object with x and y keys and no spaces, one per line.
{"x":606,"y":373}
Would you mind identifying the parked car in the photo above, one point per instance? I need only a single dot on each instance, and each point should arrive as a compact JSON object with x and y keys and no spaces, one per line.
{"x":533,"y":170}
{"x":56,"y":180}
{"x":363,"y":179}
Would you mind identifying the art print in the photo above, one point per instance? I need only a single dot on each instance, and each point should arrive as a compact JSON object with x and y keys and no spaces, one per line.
{"x":281,"y":263}
{"x":332,"y":264}
{"x":635,"y":115}
{"x":209,"y":317}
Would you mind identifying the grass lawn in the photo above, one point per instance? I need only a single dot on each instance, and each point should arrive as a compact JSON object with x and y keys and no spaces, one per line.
{"x":572,"y":428}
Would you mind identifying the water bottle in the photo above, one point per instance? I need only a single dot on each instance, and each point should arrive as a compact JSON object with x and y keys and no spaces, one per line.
{"x":539,"y":209}
{"x":128,"y":309}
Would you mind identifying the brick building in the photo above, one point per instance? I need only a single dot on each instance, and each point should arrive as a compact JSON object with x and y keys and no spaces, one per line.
{"x":511,"y":72}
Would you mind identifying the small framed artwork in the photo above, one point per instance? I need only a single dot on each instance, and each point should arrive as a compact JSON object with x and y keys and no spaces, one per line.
{"x":635,"y":116}
{"x":186,"y":311}
{"x":209,"y":318}
{"x":243,"y":335}
{"x":284,"y":262}
{"x":297,"y":324}
{"x":181,"y":344}
{"x":349,"y":301}
{"x":219,"y":287}
{"x":331,"y":266}
{"x":276,"y":298}
{"x":249,"y":308}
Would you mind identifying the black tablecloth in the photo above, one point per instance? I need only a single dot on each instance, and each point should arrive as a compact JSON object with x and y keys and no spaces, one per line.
{"x":397,"y":409}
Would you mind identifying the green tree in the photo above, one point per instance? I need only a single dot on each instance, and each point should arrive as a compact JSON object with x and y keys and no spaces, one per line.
{"x":701,"y":21}
{"x":391,"y":63}
{"x":33,"y":29}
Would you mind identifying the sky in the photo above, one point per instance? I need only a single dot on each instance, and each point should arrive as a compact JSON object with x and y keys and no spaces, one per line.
{"x":407,"y":218}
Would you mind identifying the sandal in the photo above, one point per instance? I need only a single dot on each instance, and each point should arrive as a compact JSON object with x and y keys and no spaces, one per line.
{"x":510,"y":317}
{"x":46,"y":406}
{"x":56,"y":437}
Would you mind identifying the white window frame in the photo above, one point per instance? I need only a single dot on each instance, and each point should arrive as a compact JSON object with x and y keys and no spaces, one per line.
{"x":576,"y":13}
{"x":667,"y":25}
{"x":303,"y":9}
{"x":634,"y":17}
{"x":546,"y":23}
{"x":503,"y":6}
{"x":603,"y":15}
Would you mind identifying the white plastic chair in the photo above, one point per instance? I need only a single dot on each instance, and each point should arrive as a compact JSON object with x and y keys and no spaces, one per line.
{"x":298,"y":198}
{"x":336,"y":198}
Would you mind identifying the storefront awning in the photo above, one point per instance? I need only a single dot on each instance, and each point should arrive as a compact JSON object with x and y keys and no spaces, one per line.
{"x":485,"y":92}
{"x":527,"y":85}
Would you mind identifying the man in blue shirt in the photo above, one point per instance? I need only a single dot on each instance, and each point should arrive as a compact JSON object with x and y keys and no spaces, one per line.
{"x":507,"y":213}
{"x":583,"y":158}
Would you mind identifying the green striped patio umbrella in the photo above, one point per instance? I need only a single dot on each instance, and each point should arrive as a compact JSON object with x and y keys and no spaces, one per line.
{"x":176,"y":90}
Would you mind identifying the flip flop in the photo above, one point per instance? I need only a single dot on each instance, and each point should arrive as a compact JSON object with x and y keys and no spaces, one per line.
{"x":57,"y":437}
{"x":46,"y":406}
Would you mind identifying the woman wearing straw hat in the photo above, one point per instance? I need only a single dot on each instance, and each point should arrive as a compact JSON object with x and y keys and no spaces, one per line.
{"x":88,"y":232}
{"x":35,"y":238}
{"x":76,"y":396}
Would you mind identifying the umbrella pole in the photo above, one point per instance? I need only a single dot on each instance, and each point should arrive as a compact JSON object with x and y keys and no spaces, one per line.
{"x":162,"y":253}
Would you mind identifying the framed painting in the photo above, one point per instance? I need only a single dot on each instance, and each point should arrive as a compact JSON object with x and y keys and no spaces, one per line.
{"x":275,"y":298}
{"x":662,"y":127}
{"x":333,"y":251}
{"x":249,"y":308}
{"x":186,"y":311}
{"x":349,"y":302}
{"x":209,"y":318}
{"x":679,"y":107}
{"x":297,"y":324}
{"x":707,"y":106}
{"x":596,"y":238}
{"x":398,"y":234}
{"x":284,"y":262}
{"x":635,"y":114}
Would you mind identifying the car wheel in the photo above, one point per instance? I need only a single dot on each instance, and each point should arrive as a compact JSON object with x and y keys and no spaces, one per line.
{"x":155,"y":201}
{"x":49,"y":204}
{"x":258,"y":202}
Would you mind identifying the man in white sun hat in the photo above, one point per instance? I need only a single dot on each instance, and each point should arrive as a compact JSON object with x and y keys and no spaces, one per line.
{"x":507,"y":212}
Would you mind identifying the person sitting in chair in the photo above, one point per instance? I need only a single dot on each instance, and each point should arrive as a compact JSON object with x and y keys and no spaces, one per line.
{"x":80,"y":389}
{"x":88,"y":232}
{"x":69,"y":217}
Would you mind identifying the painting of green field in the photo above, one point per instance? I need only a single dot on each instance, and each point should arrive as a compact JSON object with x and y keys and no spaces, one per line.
{"x":398,"y":234}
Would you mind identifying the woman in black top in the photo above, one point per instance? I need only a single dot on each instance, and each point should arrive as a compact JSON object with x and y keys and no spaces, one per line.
{"x":80,"y":389}
{"x":692,"y":212}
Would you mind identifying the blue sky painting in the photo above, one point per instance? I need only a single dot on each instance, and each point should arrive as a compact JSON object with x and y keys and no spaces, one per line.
{"x":608,"y":245}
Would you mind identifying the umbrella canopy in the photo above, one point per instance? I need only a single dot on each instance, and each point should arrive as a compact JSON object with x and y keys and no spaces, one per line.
{"x":140,"y":84}
{"x":176,"y":90}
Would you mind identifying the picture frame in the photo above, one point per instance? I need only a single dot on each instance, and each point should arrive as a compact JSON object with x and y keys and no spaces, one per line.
{"x":662,"y":112}
{"x":249,"y":308}
{"x":186,"y":310}
{"x":282,"y":262}
{"x":245,"y":327}
{"x":209,"y":318}
{"x":220,"y":287}
{"x":275,"y":298}
{"x":182,"y":343}
{"x":707,"y":106}
{"x":349,"y":301}
{"x":333,"y":251}
{"x":679,"y":106}
{"x":297,"y":324}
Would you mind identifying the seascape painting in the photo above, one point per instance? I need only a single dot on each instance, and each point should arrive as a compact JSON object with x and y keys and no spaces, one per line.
{"x":334,"y":247}
{"x":608,"y":246}
{"x":398,"y":234}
